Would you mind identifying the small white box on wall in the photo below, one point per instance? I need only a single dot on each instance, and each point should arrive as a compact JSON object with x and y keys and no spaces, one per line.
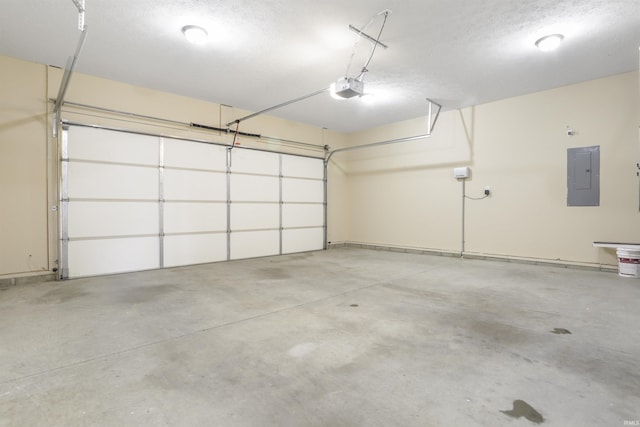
{"x":461,"y":173}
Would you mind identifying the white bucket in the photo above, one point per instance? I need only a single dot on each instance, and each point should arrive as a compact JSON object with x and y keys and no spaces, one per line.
{"x":628,"y":263}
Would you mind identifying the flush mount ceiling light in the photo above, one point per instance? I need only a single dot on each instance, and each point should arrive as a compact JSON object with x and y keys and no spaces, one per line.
{"x":195,"y":34}
{"x":550,"y":42}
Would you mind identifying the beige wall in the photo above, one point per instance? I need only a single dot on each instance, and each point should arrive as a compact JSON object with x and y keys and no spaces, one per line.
{"x":23,"y":168}
{"x":405,"y":195}
{"x":402,"y":195}
{"x":108,"y":94}
{"x":29,"y":159}
{"x":337,"y":195}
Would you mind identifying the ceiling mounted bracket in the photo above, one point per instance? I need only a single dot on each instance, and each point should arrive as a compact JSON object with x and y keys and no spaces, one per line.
{"x":375,"y":40}
{"x":81,"y":9}
{"x":367,"y":36}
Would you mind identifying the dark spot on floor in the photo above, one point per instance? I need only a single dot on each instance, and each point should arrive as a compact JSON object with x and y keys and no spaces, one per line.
{"x":274,"y":273}
{"x":142,"y":294}
{"x":493,"y":331}
{"x":61,"y":293}
{"x":560,"y":331}
{"x":523,"y":409}
{"x":353,"y":305}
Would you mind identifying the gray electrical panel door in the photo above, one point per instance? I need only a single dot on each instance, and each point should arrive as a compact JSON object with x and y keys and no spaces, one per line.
{"x":583,"y":176}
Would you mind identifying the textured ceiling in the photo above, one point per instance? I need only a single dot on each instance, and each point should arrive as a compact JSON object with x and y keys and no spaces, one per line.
{"x":263,"y":53}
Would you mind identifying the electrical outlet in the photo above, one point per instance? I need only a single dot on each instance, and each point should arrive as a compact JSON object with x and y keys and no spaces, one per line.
{"x":487,"y":190}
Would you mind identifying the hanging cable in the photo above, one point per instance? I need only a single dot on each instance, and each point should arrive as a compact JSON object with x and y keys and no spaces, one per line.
{"x":81,"y":10}
{"x":375,"y":45}
{"x":360,"y":32}
{"x":355,"y":45}
{"x":476,"y":198}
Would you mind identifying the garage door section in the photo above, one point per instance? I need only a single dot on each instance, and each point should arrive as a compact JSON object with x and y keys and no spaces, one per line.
{"x":255,"y":203}
{"x":302,"y":204}
{"x":194,"y":202}
{"x":136,"y":202}
{"x":276,"y":204}
{"x":110,"y":202}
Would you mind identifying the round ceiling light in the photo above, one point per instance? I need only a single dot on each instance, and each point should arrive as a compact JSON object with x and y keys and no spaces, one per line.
{"x":195,"y":34}
{"x":550,"y":42}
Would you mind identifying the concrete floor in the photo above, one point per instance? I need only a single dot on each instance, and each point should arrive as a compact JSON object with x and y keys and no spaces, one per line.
{"x":345,"y":337}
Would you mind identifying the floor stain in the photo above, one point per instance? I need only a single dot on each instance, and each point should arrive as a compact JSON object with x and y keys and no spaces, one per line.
{"x":420,"y":293}
{"x":498,"y":332}
{"x":143,"y":294}
{"x":61,"y":294}
{"x":523,"y":409}
{"x":274,"y":273}
{"x":561,"y":331}
{"x":353,"y":305}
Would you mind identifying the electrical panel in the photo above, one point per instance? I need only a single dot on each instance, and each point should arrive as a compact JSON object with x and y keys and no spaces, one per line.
{"x":583,"y":176}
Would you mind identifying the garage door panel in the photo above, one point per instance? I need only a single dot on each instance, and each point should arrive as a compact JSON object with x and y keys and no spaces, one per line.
{"x":111,"y":146}
{"x":251,"y":188}
{"x":109,"y":256}
{"x":119,"y":202}
{"x":182,"y":217}
{"x":253,"y":244}
{"x":302,"y":190}
{"x":302,"y":240}
{"x":99,"y":219}
{"x":194,"y":155}
{"x":251,"y":216}
{"x":302,"y":215}
{"x":105,"y":181}
{"x":258,"y":162}
{"x":194,"y":249}
{"x":194,"y":185}
{"x":303,"y":167}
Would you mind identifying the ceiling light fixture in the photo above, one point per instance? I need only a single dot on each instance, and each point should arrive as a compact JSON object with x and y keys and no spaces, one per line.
{"x":195,"y":34}
{"x":550,"y":42}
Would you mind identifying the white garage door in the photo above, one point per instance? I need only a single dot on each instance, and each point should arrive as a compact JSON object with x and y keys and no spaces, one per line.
{"x":135,"y":202}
